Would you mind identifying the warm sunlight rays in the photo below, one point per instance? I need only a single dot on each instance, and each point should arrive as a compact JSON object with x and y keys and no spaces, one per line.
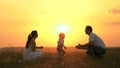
{"x":62,"y":28}
{"x":50,"y":17}
{"x":49,"y":34}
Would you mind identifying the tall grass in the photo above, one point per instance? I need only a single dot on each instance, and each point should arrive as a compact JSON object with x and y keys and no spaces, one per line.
{"x":73,"y":59}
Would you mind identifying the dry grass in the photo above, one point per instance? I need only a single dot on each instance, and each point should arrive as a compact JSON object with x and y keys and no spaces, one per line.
{"x":73,"y":59}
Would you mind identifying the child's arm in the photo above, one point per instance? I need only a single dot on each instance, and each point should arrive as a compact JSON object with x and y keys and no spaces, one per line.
{"x":65,"y":47}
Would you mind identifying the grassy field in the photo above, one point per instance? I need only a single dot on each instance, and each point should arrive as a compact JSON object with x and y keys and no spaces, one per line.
{"x":74,"y":58}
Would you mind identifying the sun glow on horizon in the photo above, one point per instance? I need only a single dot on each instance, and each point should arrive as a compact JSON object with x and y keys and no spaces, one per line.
{"x":64,"y":28}
{"x":50,"y":17}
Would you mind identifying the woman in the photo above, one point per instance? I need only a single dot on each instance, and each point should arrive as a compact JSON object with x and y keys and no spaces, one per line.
{"x":30,"y":52}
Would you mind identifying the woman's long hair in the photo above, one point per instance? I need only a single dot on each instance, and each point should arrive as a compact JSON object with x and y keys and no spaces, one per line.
{"x":30,"y":36}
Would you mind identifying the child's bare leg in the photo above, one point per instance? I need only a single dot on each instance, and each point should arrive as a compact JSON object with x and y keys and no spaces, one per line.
{"x":63,"y":52}
{"x":59,"y":54}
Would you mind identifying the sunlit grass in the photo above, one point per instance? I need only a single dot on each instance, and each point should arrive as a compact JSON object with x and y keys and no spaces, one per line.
{"x":73,"y":59}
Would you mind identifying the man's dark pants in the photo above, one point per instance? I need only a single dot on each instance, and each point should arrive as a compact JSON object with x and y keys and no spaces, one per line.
{"x":93,"y":50}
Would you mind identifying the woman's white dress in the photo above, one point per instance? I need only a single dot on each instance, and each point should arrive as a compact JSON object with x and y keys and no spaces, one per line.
{"x":28,"y":54}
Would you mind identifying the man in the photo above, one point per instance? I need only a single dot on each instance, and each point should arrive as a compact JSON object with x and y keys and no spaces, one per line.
{"x":95,"y":47}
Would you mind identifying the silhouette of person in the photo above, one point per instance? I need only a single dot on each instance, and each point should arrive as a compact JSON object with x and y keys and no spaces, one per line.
{"x":30,"y":52}
{"x":60,"y":45}
{"x":95,"y":47}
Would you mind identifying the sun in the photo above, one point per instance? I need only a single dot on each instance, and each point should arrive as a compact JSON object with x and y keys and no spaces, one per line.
{"x":62,"y":28}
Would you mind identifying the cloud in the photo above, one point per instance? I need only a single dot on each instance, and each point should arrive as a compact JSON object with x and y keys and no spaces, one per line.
{"x":114,"y":11}
{"x":114,"y":23}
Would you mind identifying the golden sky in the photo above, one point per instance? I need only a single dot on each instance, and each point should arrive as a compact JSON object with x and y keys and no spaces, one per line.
{"x":49,"y":17}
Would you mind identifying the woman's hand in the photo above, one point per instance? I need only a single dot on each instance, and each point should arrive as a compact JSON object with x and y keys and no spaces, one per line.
{"x":40,"y":47}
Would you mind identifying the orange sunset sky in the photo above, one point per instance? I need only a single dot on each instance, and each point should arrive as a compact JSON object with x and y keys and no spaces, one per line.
{"x":49,"y":17}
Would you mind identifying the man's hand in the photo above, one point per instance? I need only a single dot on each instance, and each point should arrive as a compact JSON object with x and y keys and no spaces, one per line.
{"x":79,"y":44}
